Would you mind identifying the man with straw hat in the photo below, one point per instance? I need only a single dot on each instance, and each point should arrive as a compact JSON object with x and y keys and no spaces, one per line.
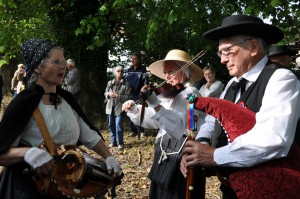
{"x":169,"y":115}
{"x":270,"y":91}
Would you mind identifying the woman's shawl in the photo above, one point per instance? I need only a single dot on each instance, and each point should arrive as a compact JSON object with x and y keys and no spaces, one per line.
{"x":20,"y":109}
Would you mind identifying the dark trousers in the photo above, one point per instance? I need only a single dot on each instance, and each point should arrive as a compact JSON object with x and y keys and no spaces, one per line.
{"x":167,"y":182}
{"x":227,"y":192}
{"x":136,"y":129}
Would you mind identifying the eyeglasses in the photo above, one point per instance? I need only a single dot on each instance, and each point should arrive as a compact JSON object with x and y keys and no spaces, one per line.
{"x":228,"y":50}
{"x":119,"y":71}
{"x":58,"y":63}
{"x":208,"y":74}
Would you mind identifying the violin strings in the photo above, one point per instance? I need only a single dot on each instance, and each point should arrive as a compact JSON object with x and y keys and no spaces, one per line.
{"x":200,"y":54}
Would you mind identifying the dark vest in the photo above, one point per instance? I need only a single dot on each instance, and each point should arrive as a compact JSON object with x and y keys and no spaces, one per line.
{"x":252,"y":98}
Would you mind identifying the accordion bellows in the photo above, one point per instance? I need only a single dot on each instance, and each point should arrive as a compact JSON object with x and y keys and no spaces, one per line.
{"x":277,"y":178}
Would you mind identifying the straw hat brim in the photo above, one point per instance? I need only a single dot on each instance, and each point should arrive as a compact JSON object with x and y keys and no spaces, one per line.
{"x":157,"y":68}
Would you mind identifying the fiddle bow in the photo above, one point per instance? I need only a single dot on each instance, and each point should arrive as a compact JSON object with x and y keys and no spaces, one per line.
{"x":164,"y":86}
{"x":170,"y":91}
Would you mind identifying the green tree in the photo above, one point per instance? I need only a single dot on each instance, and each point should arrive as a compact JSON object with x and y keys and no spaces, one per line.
{"x":92,"y":30}
{"x":155,"y":27}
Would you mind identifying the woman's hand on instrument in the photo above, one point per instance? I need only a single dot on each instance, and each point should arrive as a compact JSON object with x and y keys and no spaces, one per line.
{"x":113,"y":165}
{"x":152,"y":100}
{"x":46,"y":169}
{"x":127,"y":105}
{"x":40,"y":160}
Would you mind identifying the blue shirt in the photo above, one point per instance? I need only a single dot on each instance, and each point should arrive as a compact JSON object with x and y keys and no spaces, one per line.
{"x":136,"y":78}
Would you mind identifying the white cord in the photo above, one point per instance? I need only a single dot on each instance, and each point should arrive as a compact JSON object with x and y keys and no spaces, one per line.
{"x":164,"y":155}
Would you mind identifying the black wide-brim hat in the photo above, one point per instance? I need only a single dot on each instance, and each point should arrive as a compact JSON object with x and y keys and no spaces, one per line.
{"x":281,"y":50}
{"x":245,"y":25}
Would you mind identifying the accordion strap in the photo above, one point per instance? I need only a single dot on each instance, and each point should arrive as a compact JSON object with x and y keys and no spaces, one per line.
{"x":44,"y":130}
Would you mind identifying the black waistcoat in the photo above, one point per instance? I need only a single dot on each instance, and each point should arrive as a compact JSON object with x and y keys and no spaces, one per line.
{"x":252,"y":98}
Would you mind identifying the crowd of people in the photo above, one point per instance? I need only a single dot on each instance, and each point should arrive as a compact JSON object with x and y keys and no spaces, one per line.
{"x":262,"y":87}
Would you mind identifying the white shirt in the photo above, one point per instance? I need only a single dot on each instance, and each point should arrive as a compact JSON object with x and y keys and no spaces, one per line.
{"x":272,"y":135}
{"x":171,"y":119}
{"x":65,"y":126}
{"x":214,"y":90}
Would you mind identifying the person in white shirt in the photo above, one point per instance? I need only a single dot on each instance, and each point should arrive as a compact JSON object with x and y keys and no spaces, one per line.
{"x":21,"y":133}
{"x":212,"y":87}
{"x":271,"y":91}
{"x":169,"y":114}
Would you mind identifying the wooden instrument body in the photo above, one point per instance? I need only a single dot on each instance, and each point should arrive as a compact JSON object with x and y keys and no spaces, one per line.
{"x":81,"y":176}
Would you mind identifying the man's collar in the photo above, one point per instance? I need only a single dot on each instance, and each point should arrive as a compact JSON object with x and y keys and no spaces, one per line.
{"x":254,"y":72}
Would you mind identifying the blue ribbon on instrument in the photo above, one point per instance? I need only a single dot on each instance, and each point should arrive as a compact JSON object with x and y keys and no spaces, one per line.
{"x":191,"y":117}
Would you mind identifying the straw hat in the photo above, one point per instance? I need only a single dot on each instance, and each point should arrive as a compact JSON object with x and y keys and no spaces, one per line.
{"x":245,"y":25}
{"x":180,"y":57}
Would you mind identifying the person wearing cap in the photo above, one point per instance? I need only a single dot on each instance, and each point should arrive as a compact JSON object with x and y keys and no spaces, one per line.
{"x":169,"y":115}
{"x":266,"y":88}
{"x":17,"y":81}
{"x":281,"y":54}
{"x":20,"y":134}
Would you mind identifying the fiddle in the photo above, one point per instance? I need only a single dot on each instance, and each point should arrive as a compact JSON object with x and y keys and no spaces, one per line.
{"x":169,"y":91}
{"x":166,"y":91}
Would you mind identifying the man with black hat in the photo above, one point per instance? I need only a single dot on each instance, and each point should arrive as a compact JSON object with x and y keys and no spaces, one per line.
{"x":266,"y":88}
{"x":281,"y":54}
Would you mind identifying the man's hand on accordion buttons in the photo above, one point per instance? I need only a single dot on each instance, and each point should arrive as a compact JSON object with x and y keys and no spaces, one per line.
{"x":112,"y":164}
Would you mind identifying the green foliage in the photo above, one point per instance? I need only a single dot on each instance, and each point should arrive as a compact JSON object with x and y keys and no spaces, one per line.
{"x":20,"y":20}
{"x":87,"y":28}
{"x":90,"y":30}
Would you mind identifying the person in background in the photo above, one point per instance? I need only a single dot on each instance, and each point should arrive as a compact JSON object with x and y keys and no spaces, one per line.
{"x":1,"y":91}
{"x":281,"y":54}
{"x":73,"y":79}
{"x":17,"y":81}
{"x":267,"y":89}
{"x":116,"y":93}
{"x":138,"y":80}
{"x":213,"y":87}
{"x":199,"y":83}
{"x":20,"y":135}
{"x":169,"y":115}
